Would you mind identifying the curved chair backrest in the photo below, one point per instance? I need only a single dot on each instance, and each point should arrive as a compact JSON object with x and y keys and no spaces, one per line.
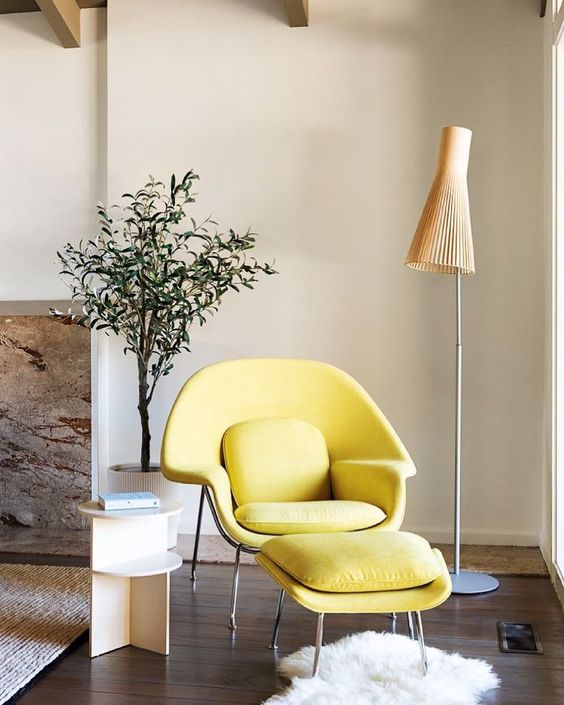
{"x":226,"y":393}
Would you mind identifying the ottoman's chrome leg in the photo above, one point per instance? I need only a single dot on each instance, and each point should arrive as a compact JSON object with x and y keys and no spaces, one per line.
{"x":421,"y":640}
{"x":197,"y":537}
{"x":274,"y":644}
{"x":394,"y":618}
{"x":410,"y":625}
{"x":318,"y":643}
{"x":234,"y":587}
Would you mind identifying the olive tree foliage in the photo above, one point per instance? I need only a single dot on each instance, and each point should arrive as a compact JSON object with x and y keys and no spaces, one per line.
{"x":151,"y":273}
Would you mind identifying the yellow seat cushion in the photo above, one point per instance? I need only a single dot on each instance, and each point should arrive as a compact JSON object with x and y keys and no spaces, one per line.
{"x":424,"y":597}
{"x":361,"y":562}
{"x":308,"y":517}
{"x":276,"y":460}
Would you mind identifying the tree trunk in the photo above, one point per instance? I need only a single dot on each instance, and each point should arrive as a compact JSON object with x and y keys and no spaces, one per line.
{"x":143,"y":407}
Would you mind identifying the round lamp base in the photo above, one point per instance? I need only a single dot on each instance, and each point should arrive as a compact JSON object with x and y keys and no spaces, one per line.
{"x":469,"y":583}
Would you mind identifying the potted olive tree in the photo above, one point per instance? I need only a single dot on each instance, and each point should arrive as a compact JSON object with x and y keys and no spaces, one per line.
{"x":148,"y":276}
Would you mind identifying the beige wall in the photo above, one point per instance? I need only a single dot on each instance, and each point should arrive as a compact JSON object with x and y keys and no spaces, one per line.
{"x":324,"y":140}
{"x":52,"y":156}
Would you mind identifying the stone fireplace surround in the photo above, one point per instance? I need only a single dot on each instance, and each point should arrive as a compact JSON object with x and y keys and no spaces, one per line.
{"x":45,"y":417}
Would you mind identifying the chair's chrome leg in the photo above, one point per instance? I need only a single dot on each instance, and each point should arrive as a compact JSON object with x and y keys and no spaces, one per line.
{"x":410,"y":625}
{"x":197,"y":537}
{"x":421,"y":640}
{"x":235,"y":587}
{"x":318,"y":643}
{"x":394,"y":617}
{"x":238,"y":548}
{"x":274,"y":644}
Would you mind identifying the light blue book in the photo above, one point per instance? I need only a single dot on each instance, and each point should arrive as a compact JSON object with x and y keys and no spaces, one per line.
{"x":111,"y":501}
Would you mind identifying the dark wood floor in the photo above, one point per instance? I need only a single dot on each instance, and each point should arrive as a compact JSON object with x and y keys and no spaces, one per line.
{"x":208,"y":664}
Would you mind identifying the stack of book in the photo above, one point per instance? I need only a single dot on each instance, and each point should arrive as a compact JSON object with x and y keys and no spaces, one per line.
{"x":128,"y":500}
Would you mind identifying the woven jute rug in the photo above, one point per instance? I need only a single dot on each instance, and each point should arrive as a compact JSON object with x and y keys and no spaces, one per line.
{"x":43,"y":611}
{"x":499,"y":560}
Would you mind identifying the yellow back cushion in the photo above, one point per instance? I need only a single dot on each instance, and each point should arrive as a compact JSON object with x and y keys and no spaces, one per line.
{"x":276,"y":460}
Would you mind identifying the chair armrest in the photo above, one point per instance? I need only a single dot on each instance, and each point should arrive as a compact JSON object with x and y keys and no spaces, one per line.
{"x":213,"y":476}
{"x":216,"y":478}
{"x":378,"y":482}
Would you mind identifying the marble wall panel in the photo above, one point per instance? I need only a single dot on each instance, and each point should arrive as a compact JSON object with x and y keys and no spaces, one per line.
{"x":45,"y":412}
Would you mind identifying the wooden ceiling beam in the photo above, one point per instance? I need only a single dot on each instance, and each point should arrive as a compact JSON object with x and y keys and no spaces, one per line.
{"x":8,"y":7}
{"x":64,"y":18}
{"x":298,"y":12}
{"x":12,"y":6}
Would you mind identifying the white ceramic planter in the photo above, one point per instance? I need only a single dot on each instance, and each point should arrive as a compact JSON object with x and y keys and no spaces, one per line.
{"x":128,"y":478}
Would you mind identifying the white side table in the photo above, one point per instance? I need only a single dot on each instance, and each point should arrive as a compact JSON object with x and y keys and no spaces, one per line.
{"x":130,"y":577}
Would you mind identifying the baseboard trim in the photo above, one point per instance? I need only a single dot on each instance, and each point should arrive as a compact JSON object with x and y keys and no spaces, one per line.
{"x":558,"y":580}
{"x":479,"y":537}
{"x":545,"y":547}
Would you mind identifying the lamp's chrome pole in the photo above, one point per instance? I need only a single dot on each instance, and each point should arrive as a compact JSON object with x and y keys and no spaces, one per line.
{"x":464,"y":582}
{"x":457,"y":429}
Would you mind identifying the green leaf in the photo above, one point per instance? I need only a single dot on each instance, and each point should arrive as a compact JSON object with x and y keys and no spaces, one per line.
{"x":152,"y":271}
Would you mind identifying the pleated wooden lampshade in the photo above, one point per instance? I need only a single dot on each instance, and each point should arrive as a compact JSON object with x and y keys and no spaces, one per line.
{"x":443,"y":239}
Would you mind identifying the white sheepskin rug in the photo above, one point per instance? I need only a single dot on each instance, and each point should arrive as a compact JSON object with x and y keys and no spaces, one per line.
{"x":374,"y":668}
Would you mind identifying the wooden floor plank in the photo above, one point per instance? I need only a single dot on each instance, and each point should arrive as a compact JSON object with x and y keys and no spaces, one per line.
{"x":211,"y":666}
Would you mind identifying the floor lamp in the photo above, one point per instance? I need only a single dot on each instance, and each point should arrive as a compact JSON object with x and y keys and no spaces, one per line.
{"x":443,"y":243}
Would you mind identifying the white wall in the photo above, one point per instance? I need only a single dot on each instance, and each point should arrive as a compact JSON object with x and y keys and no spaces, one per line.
{"x":53,"y":148}
{"x":324,"y":140}
{"x":548,"y":517}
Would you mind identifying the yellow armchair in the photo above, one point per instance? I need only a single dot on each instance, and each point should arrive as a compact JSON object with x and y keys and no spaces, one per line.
{"x":296,"y":402}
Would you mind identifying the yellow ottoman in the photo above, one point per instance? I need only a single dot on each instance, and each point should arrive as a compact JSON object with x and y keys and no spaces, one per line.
{"x":365,"y":572}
